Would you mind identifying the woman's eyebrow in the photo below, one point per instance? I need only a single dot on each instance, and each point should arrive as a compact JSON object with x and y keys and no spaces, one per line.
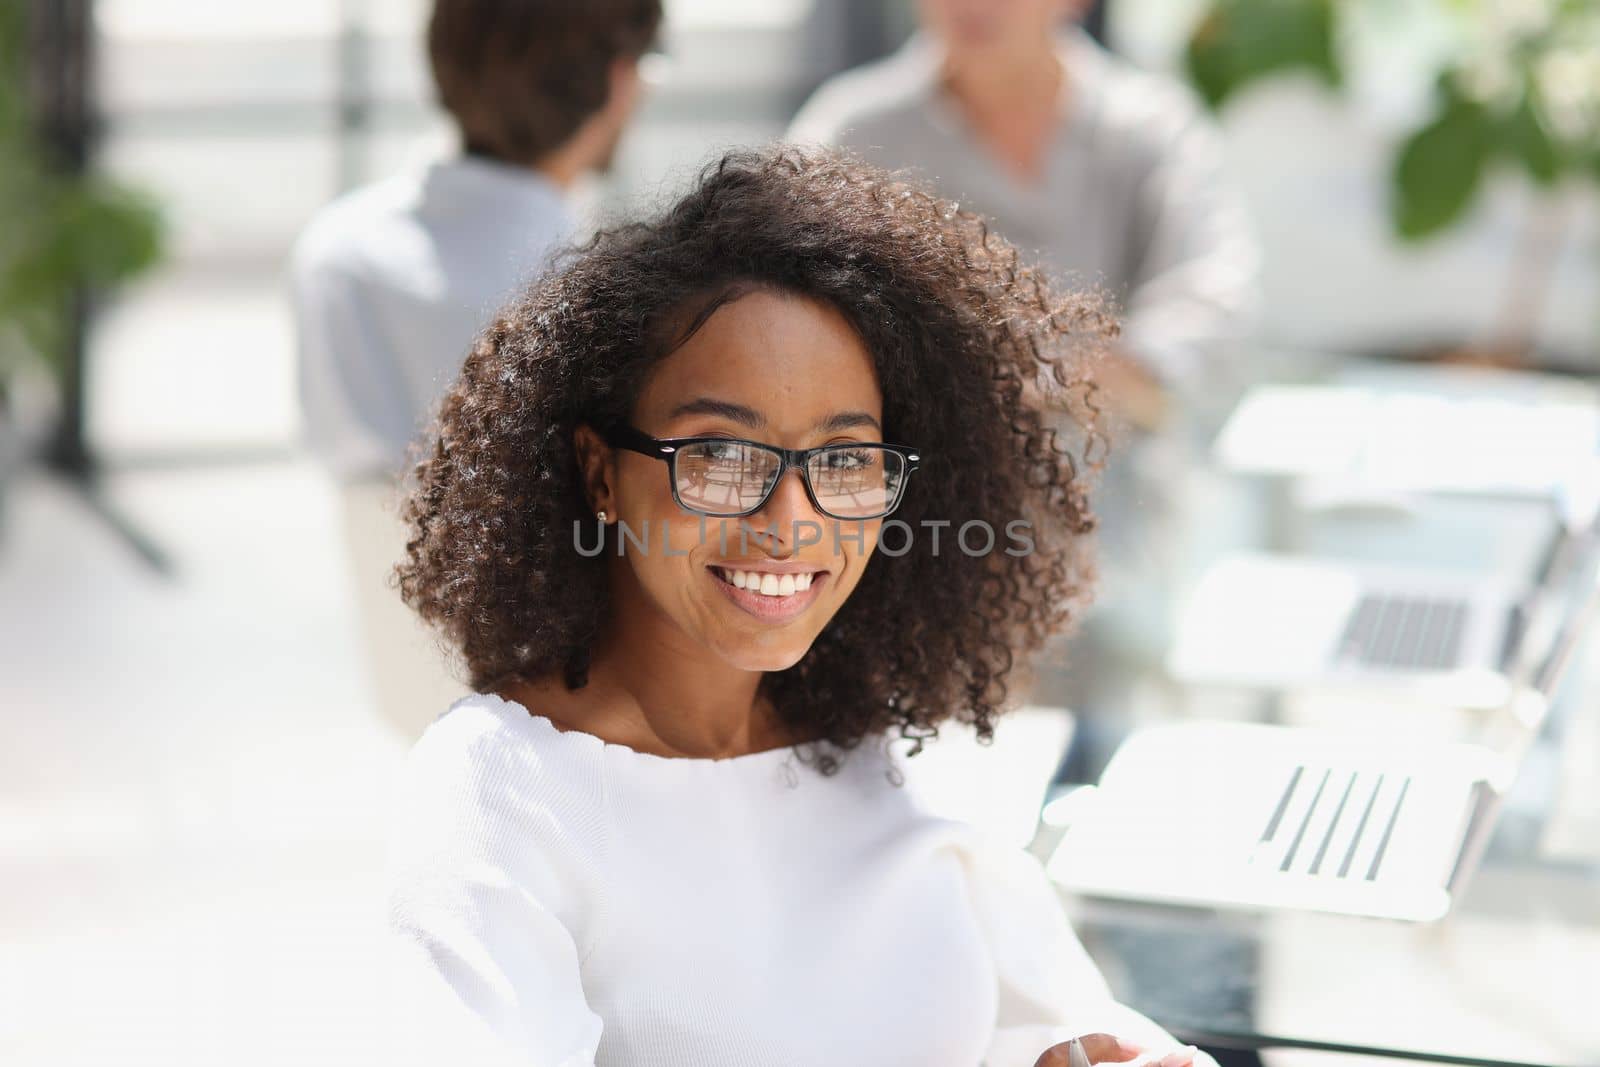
{"x":847,"y":420}
{"x":705,"y":405}
{"x":725,"y":409}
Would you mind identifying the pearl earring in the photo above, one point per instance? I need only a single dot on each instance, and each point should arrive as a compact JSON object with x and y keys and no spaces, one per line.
{"x":601,"y":516}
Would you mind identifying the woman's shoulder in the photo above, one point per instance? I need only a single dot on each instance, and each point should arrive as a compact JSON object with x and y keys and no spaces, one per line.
{"x":488,"y":796}
{"x":475,"y":722}
{"x":486,"y":751}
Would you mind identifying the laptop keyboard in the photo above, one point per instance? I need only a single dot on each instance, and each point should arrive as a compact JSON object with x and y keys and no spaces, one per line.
{"x":1333,"y":823}
{"x":1407,"y":632}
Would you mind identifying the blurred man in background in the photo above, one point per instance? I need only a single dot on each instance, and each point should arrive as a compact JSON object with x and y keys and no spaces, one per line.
{"x":1115,"y":178}
{"x":392,"y":282}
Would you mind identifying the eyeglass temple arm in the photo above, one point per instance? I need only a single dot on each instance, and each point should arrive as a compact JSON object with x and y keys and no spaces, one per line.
{"x":635,"y":441}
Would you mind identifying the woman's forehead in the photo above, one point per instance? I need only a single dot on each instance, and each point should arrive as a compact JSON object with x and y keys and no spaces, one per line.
{"x":782,"y":355}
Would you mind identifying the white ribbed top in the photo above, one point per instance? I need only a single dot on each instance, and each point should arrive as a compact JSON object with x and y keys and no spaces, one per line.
{"x":559,"y":901}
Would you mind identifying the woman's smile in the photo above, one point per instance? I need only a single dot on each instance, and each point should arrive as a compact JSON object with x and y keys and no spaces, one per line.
{"x":772,"y":592}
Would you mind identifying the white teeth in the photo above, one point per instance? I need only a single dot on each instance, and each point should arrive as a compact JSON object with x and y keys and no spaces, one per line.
{"x":768,"y":584}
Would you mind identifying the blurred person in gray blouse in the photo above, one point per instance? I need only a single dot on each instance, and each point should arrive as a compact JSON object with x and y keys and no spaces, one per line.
{"x":392,"y":283}
{"x":1112,"y":175}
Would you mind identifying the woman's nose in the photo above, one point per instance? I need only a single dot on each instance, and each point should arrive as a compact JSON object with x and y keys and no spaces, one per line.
{"x":788,"y":507}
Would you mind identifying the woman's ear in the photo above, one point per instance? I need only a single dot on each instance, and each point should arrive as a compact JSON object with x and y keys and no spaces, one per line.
{"x":597,"y":465}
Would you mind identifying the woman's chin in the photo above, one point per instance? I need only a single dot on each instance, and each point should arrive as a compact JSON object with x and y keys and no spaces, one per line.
{"x":754,"y":655}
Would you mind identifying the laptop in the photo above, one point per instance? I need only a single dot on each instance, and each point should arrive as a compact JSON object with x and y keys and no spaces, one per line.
{"x":1268,"y":817}
{"x":1437,"y":637}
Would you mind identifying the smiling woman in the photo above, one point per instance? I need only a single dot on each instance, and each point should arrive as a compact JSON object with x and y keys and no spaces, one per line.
{"x":608,"y":855}
{"x":790,"y":301}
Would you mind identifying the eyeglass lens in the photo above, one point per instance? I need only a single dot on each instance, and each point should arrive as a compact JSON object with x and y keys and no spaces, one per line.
{"x":731,"y":477}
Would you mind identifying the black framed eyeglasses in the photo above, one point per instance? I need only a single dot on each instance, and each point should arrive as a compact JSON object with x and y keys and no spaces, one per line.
{"x":727,"y":477}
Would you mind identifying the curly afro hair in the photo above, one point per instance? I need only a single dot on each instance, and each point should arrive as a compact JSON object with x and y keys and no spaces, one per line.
{"x":980,"y":361}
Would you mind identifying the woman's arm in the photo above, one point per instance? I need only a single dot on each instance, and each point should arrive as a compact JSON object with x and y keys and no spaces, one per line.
{"x":1194,"y":296}
{"x":1050,"y":990}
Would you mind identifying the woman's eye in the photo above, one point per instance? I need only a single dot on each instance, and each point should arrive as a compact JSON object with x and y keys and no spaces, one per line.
{"x":724,"y":451}
{"x":849,"y":460}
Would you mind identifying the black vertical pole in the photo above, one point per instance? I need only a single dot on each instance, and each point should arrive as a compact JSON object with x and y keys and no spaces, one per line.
{"x":865,"y":33}
{"x":840,"y":34}
{"x":354,"y":101}
{"x":61,"y":88}
{"x":1094,"y":20}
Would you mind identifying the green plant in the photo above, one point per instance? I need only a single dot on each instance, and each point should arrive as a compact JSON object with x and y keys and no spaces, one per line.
{"x":1520,"y":86}
{"x":62,"y":232}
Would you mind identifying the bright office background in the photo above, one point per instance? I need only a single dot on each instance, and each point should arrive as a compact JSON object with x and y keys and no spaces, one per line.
{"x":244,"y":119}
{"x":191,"y":775}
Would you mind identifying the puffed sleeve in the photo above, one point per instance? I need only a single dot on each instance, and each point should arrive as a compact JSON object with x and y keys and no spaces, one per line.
{"x":494,"y":879}
{"x":1050,"y":990}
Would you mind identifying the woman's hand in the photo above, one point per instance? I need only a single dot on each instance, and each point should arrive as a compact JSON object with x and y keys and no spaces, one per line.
{"x":1132,"y":392}
{"x":1103,"y":1048}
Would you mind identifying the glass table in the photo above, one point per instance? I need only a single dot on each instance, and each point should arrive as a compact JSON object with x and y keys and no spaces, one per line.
{"x":1510,"y":977}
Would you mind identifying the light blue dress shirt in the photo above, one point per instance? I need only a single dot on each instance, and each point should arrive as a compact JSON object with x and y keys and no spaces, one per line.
{"x":391,"y":284}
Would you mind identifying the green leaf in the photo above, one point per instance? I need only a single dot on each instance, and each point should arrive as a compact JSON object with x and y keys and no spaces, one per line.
{"x":1524,"y":138}
{"x":60,"y":231}
{"x":1240,"y":41}
{"x":1440,"y":168}
{"x":112,"y":234}
{"x":1209,"y":65}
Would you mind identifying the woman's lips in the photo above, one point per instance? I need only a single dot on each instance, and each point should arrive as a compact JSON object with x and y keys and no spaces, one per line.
{"x":776,"y":609}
